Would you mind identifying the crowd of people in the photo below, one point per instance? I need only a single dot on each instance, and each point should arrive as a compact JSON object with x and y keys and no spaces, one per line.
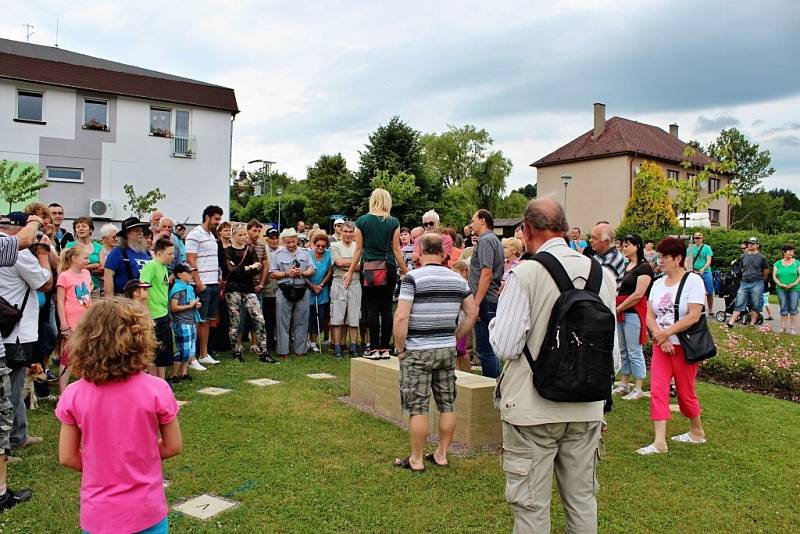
{"x":140,"y":305}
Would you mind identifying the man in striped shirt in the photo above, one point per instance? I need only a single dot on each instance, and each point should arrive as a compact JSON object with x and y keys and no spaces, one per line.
{"x":425,"y":332}
{"x":606,"y":253}
{"x":202,"y":254}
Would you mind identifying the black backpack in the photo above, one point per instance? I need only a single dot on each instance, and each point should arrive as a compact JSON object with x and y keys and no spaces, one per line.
{"x":576,"y":360}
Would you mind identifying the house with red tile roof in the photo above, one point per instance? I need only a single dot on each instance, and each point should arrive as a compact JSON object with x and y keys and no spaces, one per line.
{"x":93,"y":125}
{"x":602,"y":163}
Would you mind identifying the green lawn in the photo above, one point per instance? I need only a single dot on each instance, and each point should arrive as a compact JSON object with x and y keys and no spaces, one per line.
{"x":298,"y":460}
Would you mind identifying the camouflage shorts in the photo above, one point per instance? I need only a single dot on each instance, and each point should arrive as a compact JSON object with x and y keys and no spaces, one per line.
{"x":6,"y":409}
{"x":426,"y":370}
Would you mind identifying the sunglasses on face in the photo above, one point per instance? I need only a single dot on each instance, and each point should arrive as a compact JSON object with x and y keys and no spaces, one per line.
{"x":428,"y":224}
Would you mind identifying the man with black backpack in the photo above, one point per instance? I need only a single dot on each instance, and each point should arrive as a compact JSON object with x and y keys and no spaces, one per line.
{"x":555,"y":331}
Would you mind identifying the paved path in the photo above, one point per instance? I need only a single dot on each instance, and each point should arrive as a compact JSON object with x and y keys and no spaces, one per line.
{"x":719,"y":304}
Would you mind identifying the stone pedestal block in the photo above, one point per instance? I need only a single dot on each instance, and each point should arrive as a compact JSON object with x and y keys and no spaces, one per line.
{"x":376,"y":383}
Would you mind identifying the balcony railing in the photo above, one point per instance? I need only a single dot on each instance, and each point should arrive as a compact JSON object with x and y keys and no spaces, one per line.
{"x":184,"y":147}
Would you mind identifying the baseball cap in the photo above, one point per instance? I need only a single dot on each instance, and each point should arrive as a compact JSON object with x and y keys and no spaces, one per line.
{"x":339,"y":221}
{"x":133,"y":285}
{"x":273,"y":232}
{"x":15,"y":218}
{"x":753,"y":240}
{"x":183,"y":268}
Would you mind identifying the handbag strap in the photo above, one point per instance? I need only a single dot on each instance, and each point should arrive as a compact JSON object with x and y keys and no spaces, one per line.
{"x":699,"y":251}
{"x":678,"y":296}
{"x":244,"y":257}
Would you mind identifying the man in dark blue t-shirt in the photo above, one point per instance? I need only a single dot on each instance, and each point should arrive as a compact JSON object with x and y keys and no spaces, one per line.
{"x":126,"y":260}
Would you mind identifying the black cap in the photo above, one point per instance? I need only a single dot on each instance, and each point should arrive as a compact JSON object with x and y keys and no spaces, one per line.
{"x":183,"y":268}
{"x":273,"y":232}
{"x":133,"y":285}
{"x":16,"y":218}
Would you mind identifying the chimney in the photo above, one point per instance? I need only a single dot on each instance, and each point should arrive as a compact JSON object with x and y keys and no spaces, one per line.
{"x":673,"y":130}
{"x":599,"y":119}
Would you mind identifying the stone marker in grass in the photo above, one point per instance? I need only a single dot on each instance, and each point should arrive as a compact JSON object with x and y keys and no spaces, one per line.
{"x":214,"y":391}
{"x":674,"y":408}
{"x":182,"y":403}
{"x":263,"y":382}
{"x":205,"y":506}
{"x":320,"y":376}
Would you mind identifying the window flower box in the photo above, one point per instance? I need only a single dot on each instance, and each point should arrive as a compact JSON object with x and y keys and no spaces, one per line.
{"x":160,"y":132}
{"x":94,"y":124}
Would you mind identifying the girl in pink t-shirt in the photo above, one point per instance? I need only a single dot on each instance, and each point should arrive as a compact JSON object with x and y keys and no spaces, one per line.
{"x":73,"y":290}
{"x":111,"y":420}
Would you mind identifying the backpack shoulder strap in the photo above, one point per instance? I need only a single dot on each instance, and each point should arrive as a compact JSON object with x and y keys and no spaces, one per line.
{"x":595,"y":281}
{"x":127,"y":261}
{"x":556,"y":270}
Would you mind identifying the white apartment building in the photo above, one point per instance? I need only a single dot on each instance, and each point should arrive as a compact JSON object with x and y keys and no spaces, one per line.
{"x":93,"y":125}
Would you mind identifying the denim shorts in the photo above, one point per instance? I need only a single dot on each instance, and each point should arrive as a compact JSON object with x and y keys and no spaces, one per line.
{"x":788,"y":300}
{"x":750,"y":296}
{"x":708,"y":281}
{"x":209,"y":300}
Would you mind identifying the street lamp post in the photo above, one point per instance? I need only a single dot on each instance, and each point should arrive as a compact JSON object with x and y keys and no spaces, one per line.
{"x":266,"y":167}
{"x":565,"y":179}
{"x":280,"y":192}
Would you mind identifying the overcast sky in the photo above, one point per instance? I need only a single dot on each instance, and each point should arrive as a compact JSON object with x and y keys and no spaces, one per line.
{"x":316,"y":77}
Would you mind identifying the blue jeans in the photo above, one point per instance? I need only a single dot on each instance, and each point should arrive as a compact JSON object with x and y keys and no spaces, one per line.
{"x":630,"y":350}
{"x":749,"y":296}
{"x":489,"y":362}
{"x":788,"y":300}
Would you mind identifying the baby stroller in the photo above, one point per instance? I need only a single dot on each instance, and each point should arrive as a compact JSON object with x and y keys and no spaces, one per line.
{"x":728,"y":287}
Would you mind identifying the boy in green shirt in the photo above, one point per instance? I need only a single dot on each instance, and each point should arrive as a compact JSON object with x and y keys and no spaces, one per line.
{"x":155,"y":273}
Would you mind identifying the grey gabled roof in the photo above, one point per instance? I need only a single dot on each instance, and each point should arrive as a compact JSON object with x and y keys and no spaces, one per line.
{"x":51,"y":53}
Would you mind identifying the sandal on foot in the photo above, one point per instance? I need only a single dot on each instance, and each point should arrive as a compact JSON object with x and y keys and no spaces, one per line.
{"x":650,"y":449}
{"x":687,"y":438}
{"x":405,"y":463}
{"x":432,"y":459}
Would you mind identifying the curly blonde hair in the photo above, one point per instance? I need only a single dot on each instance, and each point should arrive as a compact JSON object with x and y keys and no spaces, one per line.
{"x":113,"y":341}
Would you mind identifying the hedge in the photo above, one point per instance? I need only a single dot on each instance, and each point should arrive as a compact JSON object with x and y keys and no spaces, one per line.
{"x":726,"y":243}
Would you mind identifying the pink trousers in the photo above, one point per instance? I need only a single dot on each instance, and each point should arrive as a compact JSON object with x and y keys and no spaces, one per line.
{"x":662,"y":369}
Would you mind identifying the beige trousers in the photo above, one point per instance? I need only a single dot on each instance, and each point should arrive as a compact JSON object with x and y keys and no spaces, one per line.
{"x":530,"y":453}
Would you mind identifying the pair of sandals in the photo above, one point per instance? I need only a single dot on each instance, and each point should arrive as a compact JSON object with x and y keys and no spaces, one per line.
{"x":680,"y":438}
{"x":405,"y":463}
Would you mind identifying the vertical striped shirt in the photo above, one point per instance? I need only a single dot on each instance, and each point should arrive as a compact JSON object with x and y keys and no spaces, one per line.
{"x":9,"y":248}
{"x":202,"y":243}
{"x":435,"y":293}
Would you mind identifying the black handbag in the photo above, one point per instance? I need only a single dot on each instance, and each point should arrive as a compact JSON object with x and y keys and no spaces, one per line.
{"x":292,"y":292}
{"x":18,"y":357}
{"x":696,"y":341}
{"x":10,"y":315}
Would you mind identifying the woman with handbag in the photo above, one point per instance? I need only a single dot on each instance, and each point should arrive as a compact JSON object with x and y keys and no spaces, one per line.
{"x":378,"y":247}
{"x":240,"y":293}
{"x":675,"y":307}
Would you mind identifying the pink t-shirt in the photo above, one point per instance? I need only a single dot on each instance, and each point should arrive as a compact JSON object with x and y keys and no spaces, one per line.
{"x":77,"y":294}
{"x":122,"y":483}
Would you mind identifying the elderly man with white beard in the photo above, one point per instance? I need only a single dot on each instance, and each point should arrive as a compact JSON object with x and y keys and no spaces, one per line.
{"x":126,"y":259}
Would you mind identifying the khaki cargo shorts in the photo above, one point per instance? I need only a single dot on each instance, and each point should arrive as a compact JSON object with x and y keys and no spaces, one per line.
{"x":426,"y":370}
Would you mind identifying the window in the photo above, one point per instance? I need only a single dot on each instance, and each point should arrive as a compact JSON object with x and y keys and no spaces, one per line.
{"x":672,"y":175}
{"x":713,"y":185}
{"x":160,"y":122}
{"x":713,"y":216}
{"x":64,"y":174}
{"x":29,"y":106}
{"x":689,"y":176}
{"x":95,"y":114}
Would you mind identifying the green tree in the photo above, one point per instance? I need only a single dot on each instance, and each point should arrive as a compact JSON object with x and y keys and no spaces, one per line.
{"x":790,"y":200}
{"x":401,"y":186}
{"x":512,"y":206}
{"x":529,"y":191}
{"x":326,"y":186}
{"x":458,"y":204}
{"x":18,"y":185}
{"x":140,"y":205}
{"x":452,"y":156}
{"x":750,"y":165}
{"x":650,"y":207}
{"x":759,"y":211}
{"x":490,"y":176}
{"x":690,"y":193}
{"x":394,"y":148}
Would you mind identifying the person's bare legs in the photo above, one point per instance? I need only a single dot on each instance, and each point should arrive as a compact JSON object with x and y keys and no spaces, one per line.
{"x":447,"y":426}
{"x":161,"y":372}
{"x":418,"y":429}
{"x":63,"y":379}
{"x":696,"y":429}
{"x":336,"y":333}
{"x":710,"y":307}
{"x":176,"y":366}
{"x":753,"y":318}
{"x":202,"y":340}
{"x":660,"y":441}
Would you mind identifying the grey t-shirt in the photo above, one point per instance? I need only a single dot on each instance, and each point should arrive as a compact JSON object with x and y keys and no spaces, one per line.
{"x":488,"y":253}
{"x":753,"y":266}
{"x":184,"y":317}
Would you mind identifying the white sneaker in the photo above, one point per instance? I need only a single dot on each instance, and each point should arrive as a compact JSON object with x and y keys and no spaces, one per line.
{"x":621,"y":389}
{"x":208,"y":360}
{"x":313,"y":347}
{"x":636,"y":394}
{"x":196,"y":366}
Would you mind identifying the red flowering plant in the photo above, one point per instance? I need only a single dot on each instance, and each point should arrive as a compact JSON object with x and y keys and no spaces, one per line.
{"x":160,"y":132}
{"x":94,"y":124}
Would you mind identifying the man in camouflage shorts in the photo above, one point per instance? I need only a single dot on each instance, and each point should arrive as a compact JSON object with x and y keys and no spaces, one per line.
{"x":432,"y":300}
